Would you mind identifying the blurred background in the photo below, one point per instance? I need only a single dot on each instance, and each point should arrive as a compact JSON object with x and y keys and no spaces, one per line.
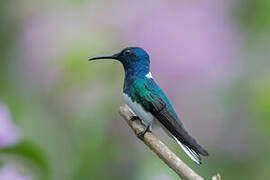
{"x":59,"y":113}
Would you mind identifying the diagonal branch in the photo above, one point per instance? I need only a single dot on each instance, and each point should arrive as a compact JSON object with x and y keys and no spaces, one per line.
{"x":163,"y":152}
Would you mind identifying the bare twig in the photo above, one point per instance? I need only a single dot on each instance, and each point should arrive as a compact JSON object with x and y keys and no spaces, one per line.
{"x":163,"y":152}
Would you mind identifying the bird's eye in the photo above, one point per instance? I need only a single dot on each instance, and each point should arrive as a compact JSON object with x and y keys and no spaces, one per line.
{"x":127,"y":52}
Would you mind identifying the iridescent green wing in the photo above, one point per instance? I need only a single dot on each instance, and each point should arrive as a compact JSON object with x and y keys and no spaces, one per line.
{"x":152,"y":101}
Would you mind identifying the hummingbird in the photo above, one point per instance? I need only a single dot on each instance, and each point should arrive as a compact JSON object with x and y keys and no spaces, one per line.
{"x":149,"y":103}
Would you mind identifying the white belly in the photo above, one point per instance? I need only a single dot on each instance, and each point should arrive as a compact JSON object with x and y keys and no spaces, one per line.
{"x":146,"y":117}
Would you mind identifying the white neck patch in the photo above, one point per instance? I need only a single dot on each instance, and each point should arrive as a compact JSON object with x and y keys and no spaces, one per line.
{"x":149,"y":75}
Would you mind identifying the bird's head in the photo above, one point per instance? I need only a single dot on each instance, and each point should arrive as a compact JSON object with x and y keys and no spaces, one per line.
{"x":134,"y":59}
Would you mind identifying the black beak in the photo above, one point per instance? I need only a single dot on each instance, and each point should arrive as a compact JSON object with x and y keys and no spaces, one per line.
{"x":115,"y":56}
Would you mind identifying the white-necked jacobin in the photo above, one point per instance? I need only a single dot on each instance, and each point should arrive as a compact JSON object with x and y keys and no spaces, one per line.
{"x":146,"y":99}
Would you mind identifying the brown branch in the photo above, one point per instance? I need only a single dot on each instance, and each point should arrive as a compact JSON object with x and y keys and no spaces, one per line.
{"x":163,"y":152}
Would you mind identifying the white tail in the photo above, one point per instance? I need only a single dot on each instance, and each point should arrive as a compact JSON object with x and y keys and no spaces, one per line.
{"x":191,"y":153}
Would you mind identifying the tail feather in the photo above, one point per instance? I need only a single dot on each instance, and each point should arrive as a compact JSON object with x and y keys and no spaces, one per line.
{"x":191,"y":153}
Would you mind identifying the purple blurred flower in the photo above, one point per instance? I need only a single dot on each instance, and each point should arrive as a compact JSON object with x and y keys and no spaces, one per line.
{"x":9,"y":133}
{"x":50,"y":35}
{"x":10,"y":172}
{"x":186,"y":39}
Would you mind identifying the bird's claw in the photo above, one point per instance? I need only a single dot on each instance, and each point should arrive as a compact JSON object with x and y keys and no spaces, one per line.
{"x":133,"y":118}
{"x":142,"y":133}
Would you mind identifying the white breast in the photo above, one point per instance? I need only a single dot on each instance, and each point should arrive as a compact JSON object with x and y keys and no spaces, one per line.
{"x":149,"y":75}
{"x":146,"y":117}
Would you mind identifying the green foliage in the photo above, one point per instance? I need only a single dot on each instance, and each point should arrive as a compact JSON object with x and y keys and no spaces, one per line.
{"x":261,"y":104}
{"x":254,"y":15}
{"x":30,"y":153}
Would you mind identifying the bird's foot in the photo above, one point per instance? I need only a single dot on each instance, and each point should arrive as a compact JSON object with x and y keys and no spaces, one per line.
{"x":142,"y":133}
{"x":133,"y":118}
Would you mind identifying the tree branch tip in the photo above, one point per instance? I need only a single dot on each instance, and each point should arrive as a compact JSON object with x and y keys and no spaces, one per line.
{"x":217,"y":177}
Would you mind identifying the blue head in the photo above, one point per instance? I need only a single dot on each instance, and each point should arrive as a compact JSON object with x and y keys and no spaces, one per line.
{"x":134,"y":59}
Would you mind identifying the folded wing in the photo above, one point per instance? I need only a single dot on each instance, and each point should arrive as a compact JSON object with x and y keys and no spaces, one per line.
{"x":159,"y":110}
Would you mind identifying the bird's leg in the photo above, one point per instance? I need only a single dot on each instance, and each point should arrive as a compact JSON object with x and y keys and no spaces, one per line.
{"x":142,"y":133}
{"x":133,"y":118}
